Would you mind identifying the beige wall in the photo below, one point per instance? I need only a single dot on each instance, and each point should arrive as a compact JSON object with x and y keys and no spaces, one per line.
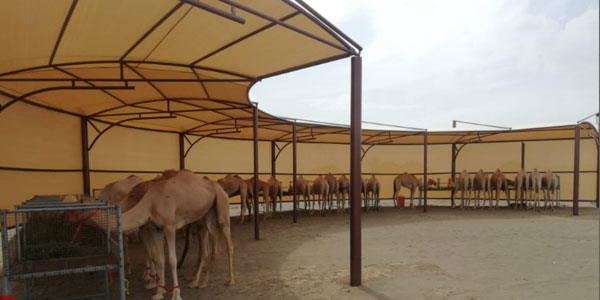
{"x":36,"y":138}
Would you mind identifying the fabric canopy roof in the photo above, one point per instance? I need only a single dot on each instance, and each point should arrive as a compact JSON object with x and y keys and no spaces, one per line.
{"x":183,"y":66}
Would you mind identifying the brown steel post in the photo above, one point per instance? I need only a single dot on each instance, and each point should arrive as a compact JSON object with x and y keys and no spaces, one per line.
{"x":576,"y":173}
{"x":523,"y":155}
{"x":255,"y":188}
{"x":181,"y":152}
{"x":425,"y":142}
{"x":295,"y":172}
{"x":355,"y":171}
{"x":453,"y":172}
{"x":273,"y":159}
{"x":85,"y":156}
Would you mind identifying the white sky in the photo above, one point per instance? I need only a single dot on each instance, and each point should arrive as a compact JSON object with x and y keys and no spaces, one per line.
{"x":427,"y":62}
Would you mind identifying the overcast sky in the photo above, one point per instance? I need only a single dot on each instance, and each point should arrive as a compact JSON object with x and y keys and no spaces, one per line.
{"x":427,"y":62}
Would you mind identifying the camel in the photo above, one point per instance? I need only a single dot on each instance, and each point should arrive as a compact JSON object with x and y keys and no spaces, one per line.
{"x":521,"y":187}
{"x":549,"y":185}
{"x":302,"y":189}
{"x":275,"y":191}
{"x":262,"y":187}
{"x":410,"y":182}
{"x":464,"y":183}
{"x":363,"y":191}
{"x":498,"y":182}
{"x":333,"y":190}
{"x":114,"y":192}
{"x":535,"y":186}
{"x":168,"y":205}
{"x":234,"y":185}
{"x":320,"y":187}
{"x":481,"y":182}
{"x":344,"y":190}
{"x":373,"y":189}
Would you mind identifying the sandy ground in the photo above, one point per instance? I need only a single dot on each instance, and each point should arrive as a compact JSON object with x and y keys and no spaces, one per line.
{"x":407,"y":254}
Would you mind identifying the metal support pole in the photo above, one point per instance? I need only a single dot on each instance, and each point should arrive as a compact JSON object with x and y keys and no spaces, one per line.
{"x":576,"y":172}
{"x":523,"y":155}
{"x":85,"y":156}
{"x":425,"y":142}
{"x":295,"y":172}
{"x":355,"y":171}
{"x":181,"y":152}
{"x":273,"y":159}
{"x":255,"y":188}
{"x":598,"y":173}
{"x":453,"y":172}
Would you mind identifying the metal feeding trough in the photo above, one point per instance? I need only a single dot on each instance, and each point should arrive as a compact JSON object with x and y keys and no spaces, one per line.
{"x":45,"y":237}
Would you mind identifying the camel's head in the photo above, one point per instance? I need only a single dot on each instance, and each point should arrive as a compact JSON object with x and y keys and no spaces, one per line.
{"x":431,"y":182}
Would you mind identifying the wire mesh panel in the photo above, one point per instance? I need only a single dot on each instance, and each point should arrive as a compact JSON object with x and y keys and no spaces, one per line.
{"x":46,"y":237}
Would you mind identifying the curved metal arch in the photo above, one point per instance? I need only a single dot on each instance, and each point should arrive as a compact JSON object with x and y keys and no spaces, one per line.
{"x":221,"y":101}
{"x":192,"y":144}
{"x":103,"y":131}
{"x":57,"y":88}
{"x":279,"y":150}
{"x":119,"y":62}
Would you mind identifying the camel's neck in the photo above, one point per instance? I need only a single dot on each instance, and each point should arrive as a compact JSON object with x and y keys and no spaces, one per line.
{"x":136,"y":216}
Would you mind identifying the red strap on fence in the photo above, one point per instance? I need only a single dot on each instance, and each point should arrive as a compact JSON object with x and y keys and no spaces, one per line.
{"x":76,"y":219}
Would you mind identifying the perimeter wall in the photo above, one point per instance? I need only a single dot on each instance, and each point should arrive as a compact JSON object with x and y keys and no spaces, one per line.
{"x":41,"y":154}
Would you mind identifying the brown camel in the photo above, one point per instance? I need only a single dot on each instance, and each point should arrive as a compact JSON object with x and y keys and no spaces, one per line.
{"x":481,"y":182}
{"x":535,"y":186}
{"x":498,"y":182}
{"x":344,"y":190}
{"x":275,"y":191}
{"x":171,"y":204}
{"x":408,"y":181}
{"x":114,"y":192}
{"x":549,"y":185}
{"x":302,"y":189}
{"x":373,"y":189}
{"x":234,"y":185}
{"x":320,"y":187}
{"x":263,"y":188}
{"x":521,"y":187}
{"x":333,"y":190}
{"x":464,"y":183}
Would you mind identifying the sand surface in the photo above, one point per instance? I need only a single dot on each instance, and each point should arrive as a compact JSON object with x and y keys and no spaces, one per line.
{"x":443,"y":254}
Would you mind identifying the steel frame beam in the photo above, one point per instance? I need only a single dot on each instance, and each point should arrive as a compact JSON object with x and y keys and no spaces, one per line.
{"x":255,"y":186}
{"x":576,"y":171}
{"x":355,"y":172}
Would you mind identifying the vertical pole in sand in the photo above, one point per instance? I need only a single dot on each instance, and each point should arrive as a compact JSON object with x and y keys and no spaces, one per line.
{"x":295,"y":172}
{"x":255,"y":187}
{"x":355,"y":171}
{"x":273,"y":159}
{"x":453,"y":173}
{"x":425,"y":145}
{"x":85,"y":156}
{"x":576,"y":172}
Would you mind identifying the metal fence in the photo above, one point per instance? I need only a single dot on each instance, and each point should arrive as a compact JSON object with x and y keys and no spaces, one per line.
{"x":45,"y":237}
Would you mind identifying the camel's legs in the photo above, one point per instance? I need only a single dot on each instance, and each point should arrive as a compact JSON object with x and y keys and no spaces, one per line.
{"x":158,"y":257}
{"x":202,"y":256}
{"x":150,"y":245}
{"x":226,"y":230}
{"x":170,"y":236}
{"x":267,"y":199}
{"x":412,"y":196}
{"x":243,"y":208}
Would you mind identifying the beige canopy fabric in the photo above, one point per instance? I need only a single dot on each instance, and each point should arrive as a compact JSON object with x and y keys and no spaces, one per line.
{"x":170,"y":65}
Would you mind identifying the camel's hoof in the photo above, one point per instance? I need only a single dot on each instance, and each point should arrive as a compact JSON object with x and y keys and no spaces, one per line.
{"x":230,"y":282}
{"x":157,"y":297}
{"x":150,"y":285}
{"x":176,"y":296}
{"x":192,"y":285}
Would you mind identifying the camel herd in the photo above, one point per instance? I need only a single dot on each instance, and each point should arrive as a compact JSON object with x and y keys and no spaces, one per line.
{"x":528,"y":187}
{"x":157,"y":208}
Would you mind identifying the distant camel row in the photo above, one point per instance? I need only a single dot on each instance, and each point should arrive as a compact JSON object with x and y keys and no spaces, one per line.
{"x":527,"y":188}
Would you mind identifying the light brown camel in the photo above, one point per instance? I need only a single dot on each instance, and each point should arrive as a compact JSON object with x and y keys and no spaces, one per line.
{"x":334,"y":189}
{"x":320,"y":188}
{"x":408,"y":181}
{"x":535,"y":186}
{"x":171,"y":204}
{"x":549,"y":185}
{"x":114,"y":192}
{"x":373,"y":189}
{"x":275,"y":191}
{"x":363,"y":191}
{"x":481,"y":182}
{"x":302,"y":189}
{"x":344,"y":190}
{"x":521,"y":187}
{"x":208,"y":243}
{"x":464,"y":183}
{"x":263,"y":188}
{"x":497,"y":183}
{"x":234,"y":185}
